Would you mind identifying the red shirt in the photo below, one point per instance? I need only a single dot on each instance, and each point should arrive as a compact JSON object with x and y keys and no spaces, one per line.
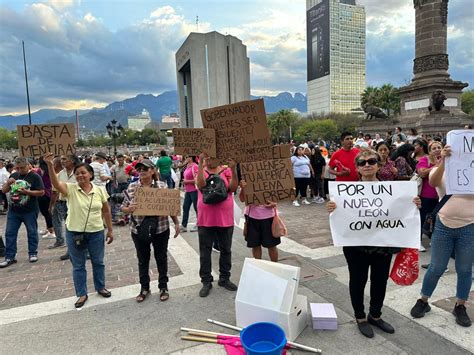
{"x":347,"y":159}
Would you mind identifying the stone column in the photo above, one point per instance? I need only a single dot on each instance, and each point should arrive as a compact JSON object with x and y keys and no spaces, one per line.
{"x":431,"y":58}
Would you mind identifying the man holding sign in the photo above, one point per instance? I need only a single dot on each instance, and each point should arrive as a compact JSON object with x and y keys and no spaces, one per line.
{"x":148,"y":230}
{"x":361,"y":222}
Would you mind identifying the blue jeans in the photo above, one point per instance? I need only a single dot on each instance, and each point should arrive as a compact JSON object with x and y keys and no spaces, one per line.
{"x":167,"y":178}
{"x":189,"y":198}
{"x":59,"y":218}
{"x":96,"y":248}
{"x":443,"y":241}
{"x":14,"y":220}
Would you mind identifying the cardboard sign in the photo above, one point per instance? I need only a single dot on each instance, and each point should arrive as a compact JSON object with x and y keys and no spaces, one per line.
{"x":37,"y":140}
{"x":268,"y":180}
{"x":194,"y":141}
{"x":241,"y":130}
{"x":281,"y":151}
{"x":375,"y":214}
{"x":157,"y":202}
{"x":460,"y":165}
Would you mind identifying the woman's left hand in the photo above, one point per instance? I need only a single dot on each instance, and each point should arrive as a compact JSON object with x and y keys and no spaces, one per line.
{"x":446,"y":151}
{"x":270,"y":204}
{"x":109,"y":238}
{"x":417,"y":201}
{"x":176,"y":230}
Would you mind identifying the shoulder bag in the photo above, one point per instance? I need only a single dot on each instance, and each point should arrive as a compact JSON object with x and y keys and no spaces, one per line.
{"x":79,"y":238}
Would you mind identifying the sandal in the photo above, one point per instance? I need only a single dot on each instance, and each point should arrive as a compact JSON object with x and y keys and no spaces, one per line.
{"x":80,"y":303}
{"x":142,"y":295}
{"x":164,"y":295}
{"x":104,"y":293}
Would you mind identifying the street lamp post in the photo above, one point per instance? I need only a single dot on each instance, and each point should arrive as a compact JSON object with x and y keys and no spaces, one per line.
{"x":114,"y":132}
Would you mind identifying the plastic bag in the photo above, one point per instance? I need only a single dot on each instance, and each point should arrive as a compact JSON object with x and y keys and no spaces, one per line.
{"x":278,"y":226}
{"x":405,"y":269}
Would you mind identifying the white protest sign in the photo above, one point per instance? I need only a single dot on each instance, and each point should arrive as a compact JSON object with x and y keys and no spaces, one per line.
{"x":375,"y":214}
{"x":460,"y":165}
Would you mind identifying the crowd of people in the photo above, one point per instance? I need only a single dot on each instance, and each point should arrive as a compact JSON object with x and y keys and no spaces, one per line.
{"x":81,"y":199}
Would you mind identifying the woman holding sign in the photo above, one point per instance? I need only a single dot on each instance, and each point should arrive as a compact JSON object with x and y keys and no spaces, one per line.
{"x":453,"y":231}
{"x":362,"y":258}
{"x":216,"y":186}
{"x":149,"y":230}
{"x":87,"y":210}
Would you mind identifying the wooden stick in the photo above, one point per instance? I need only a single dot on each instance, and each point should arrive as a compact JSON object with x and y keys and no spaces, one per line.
{"x":199,"y":330}
{"x":205,"y":334}
{"x":290,"y":343}
{"x":200,"y":339}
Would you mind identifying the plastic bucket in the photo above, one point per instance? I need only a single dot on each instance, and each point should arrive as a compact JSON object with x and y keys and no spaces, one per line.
{"x":263,"y":338}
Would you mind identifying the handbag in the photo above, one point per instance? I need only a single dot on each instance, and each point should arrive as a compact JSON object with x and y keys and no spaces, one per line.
{"x":430,"y":220}
{"x":278,"y":226}
{"x":419,"y":182}
{"x":245,"y":231}
{"x":79,"y":238}
{"x":405,"y":267}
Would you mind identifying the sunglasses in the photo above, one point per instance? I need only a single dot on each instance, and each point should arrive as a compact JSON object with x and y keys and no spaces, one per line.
{"x":363,"y":162}
{"x":143,"y":168}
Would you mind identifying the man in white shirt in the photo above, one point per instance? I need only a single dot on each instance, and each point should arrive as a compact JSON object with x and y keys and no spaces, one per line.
{"x":100,"y":175}
{"x":4,"y":175}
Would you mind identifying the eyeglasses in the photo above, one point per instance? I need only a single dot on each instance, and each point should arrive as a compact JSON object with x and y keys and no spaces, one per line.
{"x":363,"y":162}
{"x":143,"y":168}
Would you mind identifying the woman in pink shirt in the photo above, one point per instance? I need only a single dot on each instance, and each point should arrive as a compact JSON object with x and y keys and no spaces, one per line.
{"x":216,"y":221}
{"x":259,"y":219}
{"x":429,"y":196}
{"x":190,"y":191}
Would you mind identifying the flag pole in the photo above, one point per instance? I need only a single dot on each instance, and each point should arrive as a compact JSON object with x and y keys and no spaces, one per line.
{"x":26,"y":80}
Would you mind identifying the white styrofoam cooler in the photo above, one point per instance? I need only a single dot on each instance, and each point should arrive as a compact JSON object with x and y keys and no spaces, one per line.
{"x":268,"y":293}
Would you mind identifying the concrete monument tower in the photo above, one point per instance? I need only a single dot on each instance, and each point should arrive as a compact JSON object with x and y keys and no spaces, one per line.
{"x":432,"y":102}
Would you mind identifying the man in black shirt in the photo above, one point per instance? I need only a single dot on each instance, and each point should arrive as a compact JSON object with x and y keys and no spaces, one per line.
{"x":25,"y":186}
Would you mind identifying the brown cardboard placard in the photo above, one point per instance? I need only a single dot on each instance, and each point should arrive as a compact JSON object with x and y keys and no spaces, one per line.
{"x":241,"y":130}
{"x":194,"y":141}
{"x":157,"y":202}
{"x":268,"y":180}
{"x":281,"y":151}
{"x":37,"y":140}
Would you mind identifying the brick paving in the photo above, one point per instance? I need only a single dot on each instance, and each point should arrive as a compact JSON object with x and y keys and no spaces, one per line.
{"x":50,"y":279}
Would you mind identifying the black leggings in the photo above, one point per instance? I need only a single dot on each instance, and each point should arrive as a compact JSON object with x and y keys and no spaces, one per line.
{"x":359,"y":263}
{"x":43,"y":202}
{"x":301,"y":185}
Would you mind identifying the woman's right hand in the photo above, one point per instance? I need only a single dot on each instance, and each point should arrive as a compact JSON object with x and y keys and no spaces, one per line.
{"x":446,"y":151}
{"x":48,"y":158}
{"x":242,"y":184}
{"x":331,"y":206}
{"x":132,"y":208}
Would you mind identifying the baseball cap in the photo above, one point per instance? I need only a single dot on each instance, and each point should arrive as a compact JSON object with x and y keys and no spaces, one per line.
{"x":146,"y":163}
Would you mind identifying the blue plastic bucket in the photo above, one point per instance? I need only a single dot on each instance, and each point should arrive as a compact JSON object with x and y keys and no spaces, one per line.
{"x":263,"y":338}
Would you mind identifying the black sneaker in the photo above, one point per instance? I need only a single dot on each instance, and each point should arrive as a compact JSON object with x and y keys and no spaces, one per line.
{"x":420,"y":308}
{"x":381,"y":324}
{"x":365,"y":329}
{"x":64,"y":257}
{"x":462,"y":318}
{"x":227,"y":284}
{"x":7,"y":262}
{"x":56,"y":245}
{"x":206,"y":288}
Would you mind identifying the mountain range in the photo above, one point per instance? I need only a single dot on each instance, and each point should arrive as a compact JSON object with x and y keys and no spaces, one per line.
{"x":96,"y":119}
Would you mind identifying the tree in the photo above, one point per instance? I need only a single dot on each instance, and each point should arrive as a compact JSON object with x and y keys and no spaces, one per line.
{"x":8,"y":139}
{"x":467,"y":102}
{"x":316,"y":129}
{"x":384,"y":97}
{"x":281,"y":124}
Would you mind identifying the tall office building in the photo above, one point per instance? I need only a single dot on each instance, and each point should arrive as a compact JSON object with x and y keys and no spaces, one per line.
{"x":212,"y":69}
{"x":336,"y":55}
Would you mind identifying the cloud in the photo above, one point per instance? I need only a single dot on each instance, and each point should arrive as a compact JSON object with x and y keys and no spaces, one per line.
{"x":72,"y":58}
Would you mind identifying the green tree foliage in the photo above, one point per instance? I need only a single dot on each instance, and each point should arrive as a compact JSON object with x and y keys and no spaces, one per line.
{"x":384,"y":97}
{"x":279,"y":124}
{"x":128,"y":137}
{"x":8,"y":139}
{"x":316,"y":129}
{"x":467,"y":102}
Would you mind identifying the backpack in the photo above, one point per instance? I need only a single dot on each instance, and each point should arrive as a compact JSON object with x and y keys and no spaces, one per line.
{"x":215,"y":190}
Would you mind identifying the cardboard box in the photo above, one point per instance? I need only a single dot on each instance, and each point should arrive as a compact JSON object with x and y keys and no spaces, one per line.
{"x":268,"y":293}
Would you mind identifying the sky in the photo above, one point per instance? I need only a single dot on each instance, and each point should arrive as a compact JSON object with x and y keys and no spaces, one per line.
{"x":88,"y":53}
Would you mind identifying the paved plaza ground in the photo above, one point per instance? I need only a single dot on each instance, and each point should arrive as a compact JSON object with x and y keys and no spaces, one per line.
{"x":37,"y":313}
